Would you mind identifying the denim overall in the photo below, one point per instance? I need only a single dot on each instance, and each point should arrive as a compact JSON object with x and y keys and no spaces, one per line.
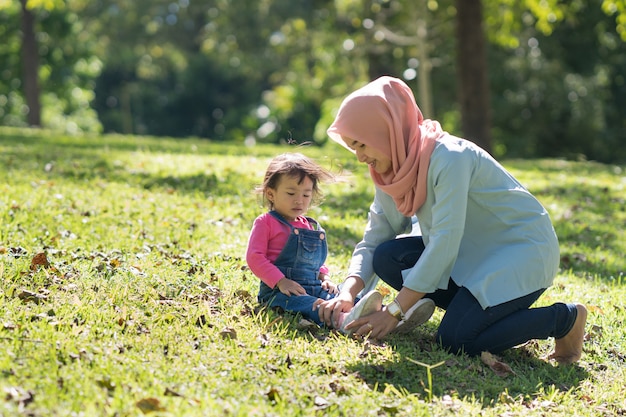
{"x":300,"y":260}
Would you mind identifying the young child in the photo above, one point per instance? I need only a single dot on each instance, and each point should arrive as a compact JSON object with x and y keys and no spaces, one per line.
{"x":287,"y":250}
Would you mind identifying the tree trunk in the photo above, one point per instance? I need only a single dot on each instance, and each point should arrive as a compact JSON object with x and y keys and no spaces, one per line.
{"x":425,"y":98}
{"x":30,"y":67}
{"x":473,"y":83}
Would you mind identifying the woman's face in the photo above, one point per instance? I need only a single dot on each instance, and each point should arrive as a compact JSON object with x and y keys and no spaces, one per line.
{"x":379,"y":162}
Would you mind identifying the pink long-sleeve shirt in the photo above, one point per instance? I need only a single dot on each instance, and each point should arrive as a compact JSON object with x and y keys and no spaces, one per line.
{"x":267,"y":238}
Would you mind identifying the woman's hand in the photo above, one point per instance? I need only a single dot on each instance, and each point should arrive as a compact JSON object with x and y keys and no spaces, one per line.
{"x":329,"y":310}
{"x":374,"y":326}
{"x":290,"y":287}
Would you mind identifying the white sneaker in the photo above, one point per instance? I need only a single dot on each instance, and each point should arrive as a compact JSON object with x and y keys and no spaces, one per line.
{"x":370,"y":303}
{"x":416,"y":315}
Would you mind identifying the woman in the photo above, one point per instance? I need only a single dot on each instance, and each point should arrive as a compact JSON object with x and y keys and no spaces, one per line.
{"x":488,"y":249}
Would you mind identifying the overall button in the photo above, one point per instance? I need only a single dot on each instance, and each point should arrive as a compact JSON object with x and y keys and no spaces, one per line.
{"x":322,"y":236}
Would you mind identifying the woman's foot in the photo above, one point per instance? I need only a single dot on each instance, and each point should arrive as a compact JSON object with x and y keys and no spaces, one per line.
{"x":569,"y":348}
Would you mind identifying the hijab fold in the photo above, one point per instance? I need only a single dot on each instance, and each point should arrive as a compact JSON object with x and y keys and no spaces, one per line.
{"x":384,"y":115}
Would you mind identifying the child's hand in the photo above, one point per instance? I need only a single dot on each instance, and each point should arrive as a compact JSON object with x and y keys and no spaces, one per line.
{"x":330,"y":286}
{"x":290,"y":287}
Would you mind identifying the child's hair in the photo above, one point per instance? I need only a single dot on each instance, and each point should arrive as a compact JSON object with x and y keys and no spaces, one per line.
{"x":294,"y":165}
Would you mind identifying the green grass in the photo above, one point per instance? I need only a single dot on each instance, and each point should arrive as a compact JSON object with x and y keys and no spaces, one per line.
{"x":146,"y":305}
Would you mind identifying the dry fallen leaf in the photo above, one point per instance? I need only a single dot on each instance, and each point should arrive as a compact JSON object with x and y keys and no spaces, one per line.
{"x":500,"y":368}
{"x":385,"y":291}
{"x":243,"y":295}
{"x":265,"y":340}
{"x":305,"y":324}
{"x":17,"y":252}
{"x":106,"y":383}
{"x":367,"y":348}
{"x":228,"y":333}
{"x":30,"y":296}
{"x":338,"y":388}
{"x":9,"y":326}
{"x":171,"y":393}
{"x":149,"y":405}
{"x":595,"y":332}
{"x":320,"y":402}
{"x":19,"y":396}
{"x":39,"y":260}
{"x":595,"y":309}
{"x":273,"y":394}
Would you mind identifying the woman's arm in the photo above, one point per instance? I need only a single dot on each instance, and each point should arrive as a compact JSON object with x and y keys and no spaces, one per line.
{"x":450,"y":176}
{"x":384,"y":223}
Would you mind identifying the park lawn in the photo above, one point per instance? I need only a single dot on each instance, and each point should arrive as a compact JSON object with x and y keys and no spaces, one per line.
{"x":124,"y":292}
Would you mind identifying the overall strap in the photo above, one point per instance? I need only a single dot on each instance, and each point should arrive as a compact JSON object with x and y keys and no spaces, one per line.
{"x":281,"y":219}
{"x":314,"y":223}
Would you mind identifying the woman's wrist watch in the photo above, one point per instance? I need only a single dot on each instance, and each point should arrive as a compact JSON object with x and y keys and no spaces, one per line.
{"x":395,"y":310}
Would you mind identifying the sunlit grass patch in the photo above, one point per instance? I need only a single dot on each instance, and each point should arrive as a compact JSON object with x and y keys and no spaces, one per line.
{"x":145,"y":304}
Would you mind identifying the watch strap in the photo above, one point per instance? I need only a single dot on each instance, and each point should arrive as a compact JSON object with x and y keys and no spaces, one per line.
{"x":395,"y":309}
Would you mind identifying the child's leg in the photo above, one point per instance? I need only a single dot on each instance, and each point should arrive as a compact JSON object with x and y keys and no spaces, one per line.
{"x":302,"y":304}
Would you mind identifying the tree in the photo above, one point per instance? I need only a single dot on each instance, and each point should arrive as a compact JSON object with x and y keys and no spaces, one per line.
{"x":473,"y":85}
{"x":428,"y":23}
{"x":423,"y":42}
{"x":48,"y":66}
{"x":30,"y":65}
{"x":561,"y":91}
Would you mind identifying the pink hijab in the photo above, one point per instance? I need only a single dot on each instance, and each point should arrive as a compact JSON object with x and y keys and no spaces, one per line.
{"x":383,"y":114}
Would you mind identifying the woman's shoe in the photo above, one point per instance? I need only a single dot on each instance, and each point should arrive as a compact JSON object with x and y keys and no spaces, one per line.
{"x":416,"y":315}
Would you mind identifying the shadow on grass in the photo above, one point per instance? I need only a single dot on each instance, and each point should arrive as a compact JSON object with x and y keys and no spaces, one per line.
{"x":466,"y":377}
{"x":33,"y":140}
{"x":51,"y":156}
{"x":88,"y":164}
{"x":460,"y":376}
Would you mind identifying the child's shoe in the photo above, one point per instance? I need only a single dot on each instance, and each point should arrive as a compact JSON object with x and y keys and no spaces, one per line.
{"x":370,"y":303}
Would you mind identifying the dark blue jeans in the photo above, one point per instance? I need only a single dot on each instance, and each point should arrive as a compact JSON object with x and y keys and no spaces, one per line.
{"x":466,"y":326}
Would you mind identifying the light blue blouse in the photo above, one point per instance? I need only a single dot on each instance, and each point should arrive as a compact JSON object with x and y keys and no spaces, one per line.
{"x":480,"y":226}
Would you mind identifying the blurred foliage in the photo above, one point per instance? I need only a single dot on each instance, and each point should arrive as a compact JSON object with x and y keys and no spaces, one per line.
{"x":68,"y":66}
{"x":276,"y":70}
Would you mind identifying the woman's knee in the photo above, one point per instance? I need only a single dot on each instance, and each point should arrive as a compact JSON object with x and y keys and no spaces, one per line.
{"x":401,"y":253}
{"x":455,"y":347}
{"x":447,"y":340}
{"x":455,"y":341}
{"x":383,"y":254}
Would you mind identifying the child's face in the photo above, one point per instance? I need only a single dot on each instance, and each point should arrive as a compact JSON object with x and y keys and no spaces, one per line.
{"x":291,"y":199}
